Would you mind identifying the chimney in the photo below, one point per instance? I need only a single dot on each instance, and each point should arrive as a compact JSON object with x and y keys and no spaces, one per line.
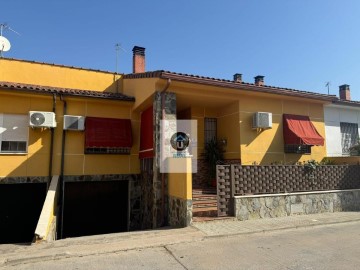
{"x":259,"y":80}
{"x":238,"y":77}
{"x":344,"y":92}
{"x":138,"y":59}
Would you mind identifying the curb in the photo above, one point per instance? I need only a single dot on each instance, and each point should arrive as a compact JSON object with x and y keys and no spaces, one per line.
{"x":67,"y":255}
{"x":280,"y":229}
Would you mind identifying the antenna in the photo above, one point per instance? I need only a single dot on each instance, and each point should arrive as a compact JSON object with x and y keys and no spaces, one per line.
{"x":4,"y":42}
{"x":5,"y":26}
{"x":117,"y":49}
{"x":327,"y":84}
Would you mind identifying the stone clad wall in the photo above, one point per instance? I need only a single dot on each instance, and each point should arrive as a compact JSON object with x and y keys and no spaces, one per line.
{"x":180,"y":212}
{"x":147,"y":193}
{"x":280,"y":179}
{"x":24,"y":179}
{"x":160,"y":203}
{"x":281,"y":205}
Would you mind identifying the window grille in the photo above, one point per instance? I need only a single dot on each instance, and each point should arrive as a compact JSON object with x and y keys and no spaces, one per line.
{"x":210,"y":129}
{"x":298,"y":148}
{"x":349,"y":136}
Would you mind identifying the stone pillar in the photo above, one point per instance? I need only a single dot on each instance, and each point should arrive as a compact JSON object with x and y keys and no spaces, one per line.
{"x":180,"y":194}
{"x":164,"y":109}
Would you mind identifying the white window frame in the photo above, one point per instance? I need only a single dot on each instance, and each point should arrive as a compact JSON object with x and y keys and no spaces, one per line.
{"x":14,"y":128}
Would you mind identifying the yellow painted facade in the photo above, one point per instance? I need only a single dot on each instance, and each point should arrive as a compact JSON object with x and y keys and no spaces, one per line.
{"x":20,"y":71}
{"x":36,"y":161}
{"x":142,"y":90}
{"x":232,"y":108}
{"x":267,"y":146}
{"x":234,"y":111}
{"x":353,"y":160}
{"x":180,"y":184}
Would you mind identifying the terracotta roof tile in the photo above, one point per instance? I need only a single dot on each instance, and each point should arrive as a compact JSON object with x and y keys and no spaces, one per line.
{"x":229,"y":84}
{"x":40,"y":89}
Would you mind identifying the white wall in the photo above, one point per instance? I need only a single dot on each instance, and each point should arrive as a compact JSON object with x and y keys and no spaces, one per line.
{"x":334,"y":114}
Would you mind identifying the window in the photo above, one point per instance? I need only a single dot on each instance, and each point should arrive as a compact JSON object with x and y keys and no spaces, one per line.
{"x":349,"y":136}
{"x":107,"y":136}
{"x":210,"y":129}
{"x":298,"y":148}
{"x":108,"y":150}
{"x":13,"y":133}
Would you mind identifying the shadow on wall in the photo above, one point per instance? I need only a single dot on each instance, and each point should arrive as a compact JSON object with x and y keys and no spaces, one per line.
{"x":351,"y":179}
{"x":20,"y":210}
{"x":353,"y":160}
{"x":116,"y":86}
{"x":23,"y":186}
{"x":349,"y":201}
{"x":22,"y":193}
{"x":31,"y":167}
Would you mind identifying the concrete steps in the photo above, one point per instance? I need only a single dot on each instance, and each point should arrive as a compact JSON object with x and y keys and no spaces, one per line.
{"x":204,"y":202}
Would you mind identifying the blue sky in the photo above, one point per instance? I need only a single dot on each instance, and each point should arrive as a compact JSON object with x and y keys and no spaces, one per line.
{"x":294,"y":44}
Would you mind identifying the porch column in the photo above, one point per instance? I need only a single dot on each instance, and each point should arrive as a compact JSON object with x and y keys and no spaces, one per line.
{"x":164,"y":109}
{"x":180,"y":194}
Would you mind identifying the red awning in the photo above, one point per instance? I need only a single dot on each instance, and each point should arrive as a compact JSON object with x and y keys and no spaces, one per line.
{"x":146,"y":134}
{"x":298,"y":129}
{"x":107,"y":132}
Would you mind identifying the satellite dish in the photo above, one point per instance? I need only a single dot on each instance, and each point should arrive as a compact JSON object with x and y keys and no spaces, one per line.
{"x":4,"y":44}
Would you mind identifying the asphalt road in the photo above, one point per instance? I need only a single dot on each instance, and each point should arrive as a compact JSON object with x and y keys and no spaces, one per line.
{"x":334,"y":246}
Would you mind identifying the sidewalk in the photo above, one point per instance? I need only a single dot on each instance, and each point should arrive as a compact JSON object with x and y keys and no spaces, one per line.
{"x":229,"y":227}
{"x":11,"y":255}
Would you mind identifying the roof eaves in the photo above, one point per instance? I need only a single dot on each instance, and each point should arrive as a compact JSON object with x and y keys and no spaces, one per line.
{"x":64,"y":91}
{"x":149,"y":74}
{"x":347,"y":103}
{"x":245,"y":86}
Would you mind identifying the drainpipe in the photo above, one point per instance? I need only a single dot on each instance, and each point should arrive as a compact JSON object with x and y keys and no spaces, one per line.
{"x":62,"y":185}
{"x":63,"y":140}
{"x":52,"y":130}
{"x":162,"y":132}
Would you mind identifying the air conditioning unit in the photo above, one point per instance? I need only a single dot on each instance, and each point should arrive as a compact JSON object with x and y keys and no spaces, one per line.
{"x":42,"y":119}
{"x":262,"y":120}
{"x":73,"y":122}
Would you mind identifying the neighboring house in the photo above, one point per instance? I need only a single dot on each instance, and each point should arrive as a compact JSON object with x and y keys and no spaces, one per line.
{"x":342,"y":123}
{"x":99,"y":142}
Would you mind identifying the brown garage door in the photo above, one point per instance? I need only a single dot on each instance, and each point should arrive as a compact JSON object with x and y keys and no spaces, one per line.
{"x":95,"y":207}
